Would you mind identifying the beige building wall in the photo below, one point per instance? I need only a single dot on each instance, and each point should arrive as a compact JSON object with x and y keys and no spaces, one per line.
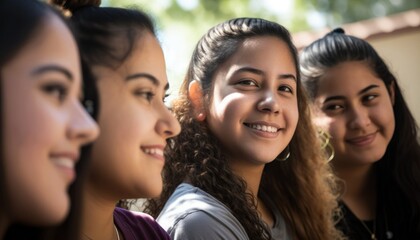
{"x":401,"y":52}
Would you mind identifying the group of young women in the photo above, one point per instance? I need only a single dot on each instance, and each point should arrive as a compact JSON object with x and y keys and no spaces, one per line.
{"x":242,"y":155}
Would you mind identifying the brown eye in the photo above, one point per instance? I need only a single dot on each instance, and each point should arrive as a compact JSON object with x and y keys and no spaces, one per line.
{"x":285,"y":88}
{"x":333,"y":107}
{"x":247,"y":82}
{"x":56,"y":90}
{"x":148,"y":95}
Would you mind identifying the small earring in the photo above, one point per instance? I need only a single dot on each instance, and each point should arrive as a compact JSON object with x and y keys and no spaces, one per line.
{"x":201,"y":116}
{"x":283,"y":155}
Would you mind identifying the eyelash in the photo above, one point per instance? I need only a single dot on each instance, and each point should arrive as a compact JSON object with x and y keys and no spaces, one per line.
{"x":366,"y":100}
{"x":57,"y":90}
{"x":148,"y":95}
{"x":369,"y":98}
{"x":289,"y":89}
{"x":333,"y":107}
{"x":247,"y":82}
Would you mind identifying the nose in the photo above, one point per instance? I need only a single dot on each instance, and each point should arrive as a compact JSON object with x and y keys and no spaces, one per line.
{"x":82,"y":128}
{"x":167,"y":125}
{"x":359,"y":117}
{"x":269,"y":102}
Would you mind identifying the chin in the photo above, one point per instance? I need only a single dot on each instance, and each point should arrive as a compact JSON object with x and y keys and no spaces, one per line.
{"x":46,"y":217}
{"x":60,"y":208}
{"x":265,"y":159}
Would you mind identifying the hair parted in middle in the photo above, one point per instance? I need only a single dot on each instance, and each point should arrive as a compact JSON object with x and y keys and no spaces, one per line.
{"x":303,"y":187}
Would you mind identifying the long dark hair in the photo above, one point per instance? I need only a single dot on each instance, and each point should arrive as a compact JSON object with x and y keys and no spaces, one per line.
{"x":399,"y":169}
{"x":301,"y":187}
{"x":20,"y":20}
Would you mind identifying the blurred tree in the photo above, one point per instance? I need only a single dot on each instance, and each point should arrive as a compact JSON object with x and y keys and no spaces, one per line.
{"x":296,"y":15}
{"x":344,"y":11}
{"x":200,"y":13}
{"x":181,"y":23}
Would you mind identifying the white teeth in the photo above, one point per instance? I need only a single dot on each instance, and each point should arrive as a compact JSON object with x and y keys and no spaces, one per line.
{"x":153,"y":151}
{"x":64,"y":162}
{"x":264,"y":128}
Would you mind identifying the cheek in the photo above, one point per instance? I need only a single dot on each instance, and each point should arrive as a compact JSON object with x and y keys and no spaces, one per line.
{"x":225,"y":109}
{"x":384,"y":118}
{"x":34,"y":127}
{"x":127,"y":126}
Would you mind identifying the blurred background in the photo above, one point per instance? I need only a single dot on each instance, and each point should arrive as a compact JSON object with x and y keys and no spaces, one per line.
{"x":391,"y":26}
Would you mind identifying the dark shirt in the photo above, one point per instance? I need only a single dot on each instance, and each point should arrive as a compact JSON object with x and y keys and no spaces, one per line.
{"x":356,"y":229}
{"x":138,"y":226}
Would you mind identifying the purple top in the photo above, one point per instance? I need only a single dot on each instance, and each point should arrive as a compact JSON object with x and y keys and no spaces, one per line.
{"x":137,"y":225}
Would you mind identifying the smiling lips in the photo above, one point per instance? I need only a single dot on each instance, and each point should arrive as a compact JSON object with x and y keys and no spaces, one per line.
{"x":156,"y":152}
{"x":362,"y":141}
{"x":263,"y":129}
{"x":66,"y":162}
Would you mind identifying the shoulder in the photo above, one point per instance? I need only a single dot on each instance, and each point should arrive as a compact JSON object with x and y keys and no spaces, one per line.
{"x":137,"y":225}
{"x":191,"y":213}
{"x":202,"y":225}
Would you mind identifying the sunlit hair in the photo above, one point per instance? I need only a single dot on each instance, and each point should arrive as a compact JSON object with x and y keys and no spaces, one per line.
{"x":399,"y":169}
{"x":301,"y":187}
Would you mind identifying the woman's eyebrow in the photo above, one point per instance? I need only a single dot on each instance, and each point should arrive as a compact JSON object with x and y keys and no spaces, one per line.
{"x":143,"y":75}
{"x":260,"y":72}
{"x":148,"y":76}
{"x":52,"y":68}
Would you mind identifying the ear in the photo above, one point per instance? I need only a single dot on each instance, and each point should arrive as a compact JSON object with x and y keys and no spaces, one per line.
{"x":195,"y":94}
{"x":392,"y":92}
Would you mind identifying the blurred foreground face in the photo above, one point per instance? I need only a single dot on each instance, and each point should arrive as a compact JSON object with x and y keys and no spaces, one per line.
{"x":44,"y":124}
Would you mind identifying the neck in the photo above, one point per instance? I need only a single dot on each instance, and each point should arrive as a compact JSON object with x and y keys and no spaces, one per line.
{"x":360,"y":190}
{"x":97,"y":216}
{"x":252,"y":174}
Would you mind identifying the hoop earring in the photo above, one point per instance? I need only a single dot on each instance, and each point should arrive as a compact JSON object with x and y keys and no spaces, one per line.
{"x":283,"y":155}
{"x":331,"y":152}
{"x":326,"y":144}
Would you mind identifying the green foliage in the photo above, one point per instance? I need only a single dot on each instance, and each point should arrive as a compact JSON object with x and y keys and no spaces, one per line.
{"x":344,"y":11}
{"x":210,"y":12}
{"x":180,"y":26}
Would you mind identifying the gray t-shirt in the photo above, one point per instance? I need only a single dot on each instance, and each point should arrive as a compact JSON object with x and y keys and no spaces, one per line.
{"x":191,"y":213}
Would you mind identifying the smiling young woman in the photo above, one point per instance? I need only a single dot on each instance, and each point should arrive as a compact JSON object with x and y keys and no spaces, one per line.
{"x":241,"y":168}
{"x":357,"y":100}
{"x":125,"y":88}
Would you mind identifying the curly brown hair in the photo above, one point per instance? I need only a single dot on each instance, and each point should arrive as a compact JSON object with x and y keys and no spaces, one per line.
{"x":303,"y":187}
